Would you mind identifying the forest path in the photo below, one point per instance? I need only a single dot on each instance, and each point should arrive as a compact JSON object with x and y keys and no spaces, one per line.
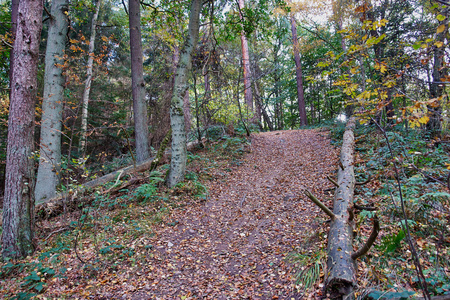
{"x":234,"y":245}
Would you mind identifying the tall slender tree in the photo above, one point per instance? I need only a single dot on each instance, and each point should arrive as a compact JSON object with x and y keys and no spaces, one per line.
{"x":298,"y":72}
{"x":87,"y":84}
{"x":440,"y":71}
{"x":246,"y":62}
{"x":18,"y":204}
{"x":179,"y":151}
{"x":138,"y":84}
{"x":52,"y":103}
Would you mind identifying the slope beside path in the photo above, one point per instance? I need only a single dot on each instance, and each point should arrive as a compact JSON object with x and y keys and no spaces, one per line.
{"x":234,"y":245}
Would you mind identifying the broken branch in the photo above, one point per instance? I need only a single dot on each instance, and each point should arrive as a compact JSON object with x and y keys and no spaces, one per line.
{"x":373,"y":236}
{"x":332,"y":181}
{"x":320,"y":204}
{"x":364,"y":182}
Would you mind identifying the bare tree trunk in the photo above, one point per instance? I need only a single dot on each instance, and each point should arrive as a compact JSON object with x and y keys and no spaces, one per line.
{"x":87,"y":85}
{"x":299,"y":73}
{"x":440,"y":70}
{"x":246,"y":64}
{"x":138,"y":84}
{"x":52,"y":103}
{"x":14,"y":13}
{"x":18,"y":205}
{"x":179,"y":152}
{"x":337,"y":7}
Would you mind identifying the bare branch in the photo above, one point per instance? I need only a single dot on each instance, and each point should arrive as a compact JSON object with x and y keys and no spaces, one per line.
{"x":320,"y":205}
{"x":332,"y":181}
{"x":364,"y":182}
{"x":373,"y":236}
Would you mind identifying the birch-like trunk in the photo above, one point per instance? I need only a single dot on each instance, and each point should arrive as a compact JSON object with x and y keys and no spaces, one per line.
{"x":52,"y":104}
{"x":246,"y":63}
{"x":299,"y":73}
{"x":87,"y":84}
{"x":137,"y":79}
{"x":18,"y":203}
{"x":179,"y":151}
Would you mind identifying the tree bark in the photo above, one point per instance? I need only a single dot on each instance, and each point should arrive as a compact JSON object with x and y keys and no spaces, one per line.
{"x":246,"y":63}
{"x":341,"y":277}
{"x":187,"y":112}
{"x":87,"y":84}
{"x":52,"y":104}
{"x":440,"y":70}
{"x":18,"y":205}
{"x":138,"y":84}
{"x":179,"y":152}
{"x":299,"y":73}
{"x":14,"y":13}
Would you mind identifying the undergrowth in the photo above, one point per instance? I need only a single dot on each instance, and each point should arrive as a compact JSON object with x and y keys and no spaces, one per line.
{"x":388,"y":270}
{"x":112,"y":232}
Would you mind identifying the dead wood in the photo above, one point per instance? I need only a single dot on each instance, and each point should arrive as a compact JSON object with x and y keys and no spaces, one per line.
{"x":332,"y":181}
{"x":373,"y":236}
{"x":341,"y":267}
{"x":368,"y":208}
{"x":320,"y":204}
{"x":72,"y":201}
{"x":364,"y":182}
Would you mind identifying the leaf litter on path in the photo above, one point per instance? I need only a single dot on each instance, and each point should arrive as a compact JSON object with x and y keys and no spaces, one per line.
{"x":234,"y":244}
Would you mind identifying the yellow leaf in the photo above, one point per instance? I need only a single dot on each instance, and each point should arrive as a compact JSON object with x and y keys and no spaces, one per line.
{"x":383,"y":68}
{"x":440,"y":29}
{"x":439,"y":44}
{"x":424,"y":120}
{"x":447,"y":165}
{"x":440,"y":17}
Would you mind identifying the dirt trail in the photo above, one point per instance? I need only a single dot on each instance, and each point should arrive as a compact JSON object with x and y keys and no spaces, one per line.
{"x":233,"y":246}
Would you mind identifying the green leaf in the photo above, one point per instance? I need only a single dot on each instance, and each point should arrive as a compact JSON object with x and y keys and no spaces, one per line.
{"x":39,"y":287}
{"x":33,"y":277}
{"x":440,"y":17}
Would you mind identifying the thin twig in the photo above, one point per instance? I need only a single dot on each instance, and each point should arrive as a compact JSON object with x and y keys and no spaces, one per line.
{"x":57,"y":231}
{"x":364,"y":182}
{"x":320,"y":204}
{"x":332,"y":181}
{"x":368,"y":208}
{"x":242,"y":201}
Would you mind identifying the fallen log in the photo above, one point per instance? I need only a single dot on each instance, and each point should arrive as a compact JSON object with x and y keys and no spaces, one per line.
{"x":341,"y":267}
{"x":71,"y":201}
{"x":340,"y":279}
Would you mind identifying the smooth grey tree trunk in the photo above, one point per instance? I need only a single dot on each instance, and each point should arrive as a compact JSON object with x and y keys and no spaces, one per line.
{"x":246,"y":64}
{"x":18,"y":204}
{"x":87,"y":84}
{"x":179,"y":151}
{"x":138,"y":84}
{"x":341,"y":267}
{"x":299,"y":73}
{"x":52,"y":103}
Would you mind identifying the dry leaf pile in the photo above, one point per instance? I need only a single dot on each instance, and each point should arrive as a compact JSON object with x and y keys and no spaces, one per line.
{"x":234,"y":244}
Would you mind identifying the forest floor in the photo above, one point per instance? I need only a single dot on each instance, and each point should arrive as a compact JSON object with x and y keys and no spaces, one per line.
{"x":233,"y":244}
